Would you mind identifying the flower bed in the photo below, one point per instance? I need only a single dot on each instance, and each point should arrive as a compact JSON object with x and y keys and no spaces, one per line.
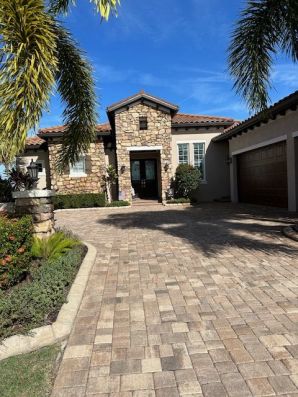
{"x":15,"y":246}
{"x":36,"y":302}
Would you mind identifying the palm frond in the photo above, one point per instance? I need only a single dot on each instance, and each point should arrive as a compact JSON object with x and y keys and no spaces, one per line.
{"x":76,"y":87}
{"x":103,"y":7}
{"x":250,"y":53}
{"x":27,"y":70}
{"x":288,"y":28}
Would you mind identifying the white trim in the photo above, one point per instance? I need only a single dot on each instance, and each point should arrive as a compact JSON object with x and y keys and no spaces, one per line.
{"x":261,"y":144}
{"x":143,"y":148}
{"x":295,"y":134}
{"x":81,"y":175}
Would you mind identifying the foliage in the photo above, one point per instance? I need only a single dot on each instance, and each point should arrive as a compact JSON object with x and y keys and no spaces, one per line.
{"x":15,"y":245}
{"x":84,"y":200}
{"x":104,"y":7}
{"x":118,"y":203}
{"x":265,"y":27}
{"x":110,"y":179}
{"x":34,"y":373}
{"x":5,"y":191}
{"x":181,"y":200}
{"x":36,"y":52}
{"x":32,"y":304}
{"x":20,"y":180}
{"x":187,"y":179}
{"x":52,"y":247}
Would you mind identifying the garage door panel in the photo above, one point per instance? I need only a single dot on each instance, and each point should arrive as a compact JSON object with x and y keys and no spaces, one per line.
{"x":262,"y":176}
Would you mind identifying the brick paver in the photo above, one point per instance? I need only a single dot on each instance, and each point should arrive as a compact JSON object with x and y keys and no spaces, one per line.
{"x":184,"y":302}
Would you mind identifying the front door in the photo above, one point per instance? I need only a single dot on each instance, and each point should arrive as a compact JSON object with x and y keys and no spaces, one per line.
{"x":144,"y":178}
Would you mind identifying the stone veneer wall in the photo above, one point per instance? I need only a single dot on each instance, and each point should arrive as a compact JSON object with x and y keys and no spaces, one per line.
{"x":95,"y":170}
{"x":128,"y":134}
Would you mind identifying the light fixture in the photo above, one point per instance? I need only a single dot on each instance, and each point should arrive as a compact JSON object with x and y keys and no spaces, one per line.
{"x":33,"y":171}
{"x":166,"y":166}
{"x":122,"y":169}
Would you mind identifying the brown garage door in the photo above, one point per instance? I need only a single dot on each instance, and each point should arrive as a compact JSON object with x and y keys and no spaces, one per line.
{"x":262,"y":176}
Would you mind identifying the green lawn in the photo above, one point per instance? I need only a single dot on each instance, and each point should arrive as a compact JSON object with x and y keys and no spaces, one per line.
{"x":29,"y":375}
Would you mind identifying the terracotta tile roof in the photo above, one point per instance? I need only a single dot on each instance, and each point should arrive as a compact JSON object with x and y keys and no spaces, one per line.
{"x":280,"y":107}
{"x":34,"y":141}
{"x":182,"y":118}
{"x":61,"y":128}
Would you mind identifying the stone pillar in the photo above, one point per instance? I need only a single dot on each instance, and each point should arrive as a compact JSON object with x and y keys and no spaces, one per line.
{"x":37,"y":203}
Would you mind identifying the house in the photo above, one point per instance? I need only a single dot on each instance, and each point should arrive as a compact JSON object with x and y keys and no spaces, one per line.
{"x":146,"y":138}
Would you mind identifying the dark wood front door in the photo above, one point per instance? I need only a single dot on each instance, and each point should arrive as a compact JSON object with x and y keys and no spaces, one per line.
{"x":144,"y":178}
{"x":262,"y":176}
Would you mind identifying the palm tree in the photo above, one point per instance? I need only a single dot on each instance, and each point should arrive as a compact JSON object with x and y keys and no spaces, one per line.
{"x":265,"y":28}
{"x":37,"y":53}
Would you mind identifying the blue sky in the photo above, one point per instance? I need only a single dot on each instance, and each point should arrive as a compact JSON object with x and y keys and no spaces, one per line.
{"x":171,"y":48}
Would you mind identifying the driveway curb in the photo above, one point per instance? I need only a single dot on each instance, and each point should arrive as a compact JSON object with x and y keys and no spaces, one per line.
{"x":61,"y":328}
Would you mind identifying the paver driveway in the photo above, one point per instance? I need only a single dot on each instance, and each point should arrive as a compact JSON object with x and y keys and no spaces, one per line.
{"x":184,"y":302}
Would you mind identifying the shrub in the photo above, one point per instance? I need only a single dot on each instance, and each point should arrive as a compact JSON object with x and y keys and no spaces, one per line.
{"x":15,"y":246}
{"x":5,"y":191}
{"x":33,"y":304}
{"x":118,"y":203}
{"x":187,"y":179}
{"x":53,"y":247}
{"x":182,"y":200}
{"x":84,"y":200}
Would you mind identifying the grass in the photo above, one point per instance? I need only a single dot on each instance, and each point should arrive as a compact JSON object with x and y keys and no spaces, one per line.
{"x":28,"y":375}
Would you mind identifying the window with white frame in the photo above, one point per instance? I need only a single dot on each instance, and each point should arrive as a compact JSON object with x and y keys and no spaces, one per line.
{"x":193,"y":153}
{"x":199,"y":157}
{"x":183,"y":153}
{"x":78,"y":168}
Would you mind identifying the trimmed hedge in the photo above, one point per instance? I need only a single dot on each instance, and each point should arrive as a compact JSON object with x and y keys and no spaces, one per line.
{"x":119,"y":203}
{"x":15,"y":249}
{"x":31,"y":305}
{"x":181,"y":200}
{"x":84,"y":200}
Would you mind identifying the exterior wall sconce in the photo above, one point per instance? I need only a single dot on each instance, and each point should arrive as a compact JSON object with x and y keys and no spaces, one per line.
{"x":33,"y":172}
{"x":166,"y":166}
{"x":122,"y":169}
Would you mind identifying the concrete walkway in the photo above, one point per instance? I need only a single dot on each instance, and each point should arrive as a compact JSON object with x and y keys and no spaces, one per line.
{"x":184,"y":302}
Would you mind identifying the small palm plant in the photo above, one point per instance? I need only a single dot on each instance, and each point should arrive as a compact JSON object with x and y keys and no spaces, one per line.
{"x":53,"y":247}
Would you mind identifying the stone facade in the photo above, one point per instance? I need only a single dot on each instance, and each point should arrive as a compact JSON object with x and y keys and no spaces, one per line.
{"x":129,"y":135}
{"x":38,"y":204}
{"x":92,"y":182}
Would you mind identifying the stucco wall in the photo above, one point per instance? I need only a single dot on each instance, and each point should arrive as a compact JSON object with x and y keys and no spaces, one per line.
{"x":37,"y":155}
{"x":217,"y":184}
{"x":92,"y":182}
{"x":129,"y":135}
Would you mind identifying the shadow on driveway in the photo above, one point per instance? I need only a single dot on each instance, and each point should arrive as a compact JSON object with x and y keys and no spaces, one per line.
{"x":213,"y":227}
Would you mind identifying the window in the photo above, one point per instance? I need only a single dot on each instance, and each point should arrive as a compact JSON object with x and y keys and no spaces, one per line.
{"x":79,"y":168}
{"x":199,"y":157}
{"x":143,"y":123}
{"x":41,"y":167}
{"x":183,"y":157}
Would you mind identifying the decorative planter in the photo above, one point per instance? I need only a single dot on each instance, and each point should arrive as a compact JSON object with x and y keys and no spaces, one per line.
{"x":37,"y":203}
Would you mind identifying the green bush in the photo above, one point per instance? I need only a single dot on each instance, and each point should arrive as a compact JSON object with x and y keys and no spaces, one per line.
{"x":5,"y":191}
{"x":33,"y":304}
{"x":187,"y":179}
{"x":53,"y":247}
{"x":84,"y":200}
{"x":181,"y":200}
{"x":118,"y":203}
{"x":15,"y":246}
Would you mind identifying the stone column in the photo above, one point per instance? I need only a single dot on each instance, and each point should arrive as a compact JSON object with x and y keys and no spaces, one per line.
{"x":37,"y":203}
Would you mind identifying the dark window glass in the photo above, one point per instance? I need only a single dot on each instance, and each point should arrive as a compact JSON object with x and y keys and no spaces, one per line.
{"x":143,"y":123}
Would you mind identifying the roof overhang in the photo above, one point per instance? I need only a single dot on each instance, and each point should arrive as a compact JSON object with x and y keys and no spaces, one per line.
{"x":144,"y":98}
{"x":280,"y":108}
